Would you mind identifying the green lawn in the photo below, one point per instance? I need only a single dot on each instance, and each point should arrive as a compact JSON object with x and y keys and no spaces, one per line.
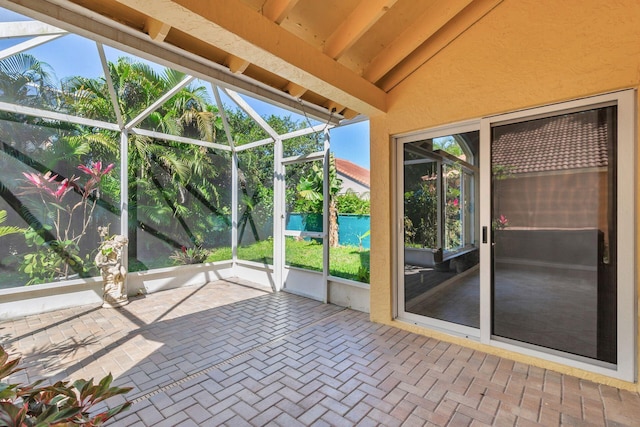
{"x":348,"y":262}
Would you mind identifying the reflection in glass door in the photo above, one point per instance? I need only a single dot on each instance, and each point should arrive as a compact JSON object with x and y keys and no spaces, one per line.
{"x":440,"y":279}
{"x":554,"y":232}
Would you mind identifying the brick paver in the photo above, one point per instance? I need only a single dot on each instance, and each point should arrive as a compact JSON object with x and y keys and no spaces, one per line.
{"x":234,"y":353}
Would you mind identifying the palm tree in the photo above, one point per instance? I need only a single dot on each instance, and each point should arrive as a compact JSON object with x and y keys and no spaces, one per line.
{"x":310,"y":188}
{"x":25,"y":80}
{"x":164,"y":177}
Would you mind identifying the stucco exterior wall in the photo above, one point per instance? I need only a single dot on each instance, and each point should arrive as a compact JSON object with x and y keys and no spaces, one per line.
{"x":355,"y":186}
{"x":524,"y":53}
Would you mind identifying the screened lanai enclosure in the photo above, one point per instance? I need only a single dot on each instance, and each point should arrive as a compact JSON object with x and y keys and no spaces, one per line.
{"x":203,"y":178}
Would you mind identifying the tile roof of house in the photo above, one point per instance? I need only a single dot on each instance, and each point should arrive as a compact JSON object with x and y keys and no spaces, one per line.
{"x":353,"y":171}
{"x":573,"y":141}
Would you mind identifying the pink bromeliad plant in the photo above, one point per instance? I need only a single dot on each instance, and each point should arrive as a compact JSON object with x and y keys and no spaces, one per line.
{"x":62,"y":254}
{"x":95,"y":173}
{"x":500,"y":223}
{"x":47,"y":185}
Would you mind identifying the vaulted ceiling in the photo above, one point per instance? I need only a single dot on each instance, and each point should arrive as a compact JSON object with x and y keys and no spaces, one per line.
{"x":340,"y":56}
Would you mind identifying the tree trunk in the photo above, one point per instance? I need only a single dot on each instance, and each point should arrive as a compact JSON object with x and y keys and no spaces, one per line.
{"x":333,"y":224}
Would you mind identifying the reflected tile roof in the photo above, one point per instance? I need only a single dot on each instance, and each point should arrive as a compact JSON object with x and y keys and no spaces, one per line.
{"x":571,"y":141}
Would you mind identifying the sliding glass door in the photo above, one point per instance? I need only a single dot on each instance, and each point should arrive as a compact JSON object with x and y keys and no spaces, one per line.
{"x":553,"y":211}
{"x":440,"y":254}
{"x":558,"y":262}
{"x":520,"y":234}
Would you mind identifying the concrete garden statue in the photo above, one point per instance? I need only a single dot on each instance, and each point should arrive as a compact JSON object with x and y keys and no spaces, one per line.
{"x":109,"y":261}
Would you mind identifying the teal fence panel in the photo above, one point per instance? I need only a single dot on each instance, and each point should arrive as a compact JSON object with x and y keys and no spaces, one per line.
{"x":351,"y":228}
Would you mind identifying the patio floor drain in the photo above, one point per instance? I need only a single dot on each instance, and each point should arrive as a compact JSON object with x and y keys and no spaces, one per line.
{"x":231,"y":359}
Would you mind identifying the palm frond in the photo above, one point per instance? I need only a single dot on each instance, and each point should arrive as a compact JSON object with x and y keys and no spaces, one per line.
{"x":172,"y":77}
{"x":171,"y":161}
{"x":8,"y":229}
{"x":145,"y":70}
{"x":24,"y":65}
{"x":156,"y":213}
{"x":181,"y":210}
{"x":106,"y":139}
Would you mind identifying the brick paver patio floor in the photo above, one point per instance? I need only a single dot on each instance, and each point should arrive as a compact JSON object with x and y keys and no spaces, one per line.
{"x":232,"y":353}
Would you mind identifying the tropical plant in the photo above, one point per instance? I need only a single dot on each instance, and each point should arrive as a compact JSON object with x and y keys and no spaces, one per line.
{"x":310,"y":193}
{"x":193,"y":255}
{"x":449,"y":145}
{"x":52,"y":191}
{"x":60,"y":404}
{"x":452,"y":207}
{"x":176,"y":190}
{"x":363,"y":274}
{"x":8,"y":229}
{"x":420,"y":207}
{"x":179,"y":194}
{"x":255,"y":172}
{"x":361,"y":239}
{"x":352,"y":203}
{"x":500,"y":223}
{"x":49,"y":260}
{"x":26,"y":80}
{"x":68,"y":221}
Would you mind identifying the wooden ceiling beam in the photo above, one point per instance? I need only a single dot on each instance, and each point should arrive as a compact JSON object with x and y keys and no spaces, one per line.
{"x":462,"y":22}
{"x":157,"y":30}
{"x":277,"y":10}
{"x":240,"y":31}
{"x":294,"y":90}
{"x":365,"y":14}
{"x":334,"y":107}
{"x":349,"y":114}
{"x":237,"y":65}
{"x":103,"y":30}
{"x":412,"y":37}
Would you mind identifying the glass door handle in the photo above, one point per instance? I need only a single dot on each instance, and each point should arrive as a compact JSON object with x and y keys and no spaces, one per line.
{"x":484,"y":234}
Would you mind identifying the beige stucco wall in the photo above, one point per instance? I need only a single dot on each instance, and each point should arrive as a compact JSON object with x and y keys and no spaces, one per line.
{"x":524,"y":53}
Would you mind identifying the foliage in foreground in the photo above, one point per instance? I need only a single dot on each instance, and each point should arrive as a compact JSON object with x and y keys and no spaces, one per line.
{"x":60,"y":404}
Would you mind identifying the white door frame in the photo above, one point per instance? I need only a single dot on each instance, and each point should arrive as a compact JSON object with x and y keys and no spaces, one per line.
{"x":297,"y":280}
{"x":452,"y":328}
{"x":625,"y":368}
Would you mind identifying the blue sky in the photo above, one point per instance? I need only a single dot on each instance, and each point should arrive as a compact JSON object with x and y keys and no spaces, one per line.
{"x":74,"y":55}
{"x":349,"y":142}
{"x":352,"y":143}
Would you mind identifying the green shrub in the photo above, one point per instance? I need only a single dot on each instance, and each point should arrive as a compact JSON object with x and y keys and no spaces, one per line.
{"x":193,"y":255}
{"x":60,"y":404}
{"x":352,"y":203}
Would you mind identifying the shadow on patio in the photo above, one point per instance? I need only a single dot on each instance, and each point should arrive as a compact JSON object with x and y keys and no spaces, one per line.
{"x":233,"y":353}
